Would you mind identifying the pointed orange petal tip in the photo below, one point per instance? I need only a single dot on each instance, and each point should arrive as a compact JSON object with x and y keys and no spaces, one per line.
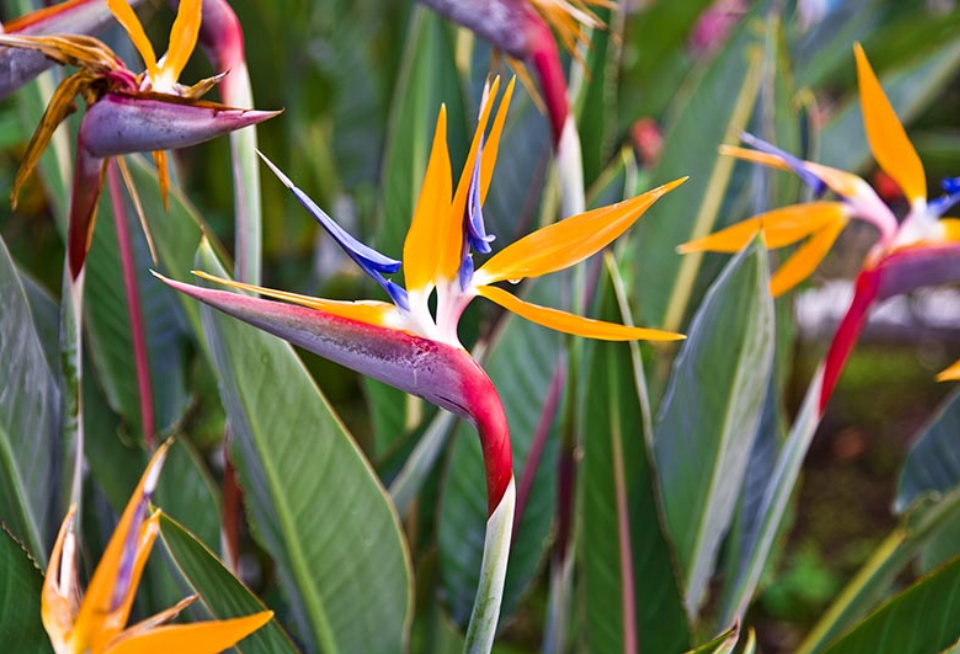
{"x":888,"y":139}
{"x":950,"y":374}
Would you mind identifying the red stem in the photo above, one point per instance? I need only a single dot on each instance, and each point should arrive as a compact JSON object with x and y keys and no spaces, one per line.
{"x":134,"y":312}
{"x":532,"y":463}
{"x":553,"y":83}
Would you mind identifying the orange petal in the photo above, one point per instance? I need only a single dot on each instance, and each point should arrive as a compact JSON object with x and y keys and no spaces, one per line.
{"x":183,"y":37}
{"x":492,"y":144}
{"x":806,"y":259}
{"x":100,"y":601}
{"x":888,"y":140}
{"x":450,"y":241}
{"x":951,"y":229}
{"x":422,"y":246}
{"x":158,"y":619}
{"x":787,"y":225}
{"x":125,"y":15}
{"x":198,"y":638}
{"x":568,"y":241}
{"x":731,"y":239}
{"x":56,"y":609}
{"x":950,"y":374}
{"x":371,"y":312}
{"x":569,"y":323}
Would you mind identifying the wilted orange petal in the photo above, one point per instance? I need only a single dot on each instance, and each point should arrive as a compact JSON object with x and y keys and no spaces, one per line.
{"x":492,"y":144}
{"x":183,"y":37}
{"x":117,"y":619}
{"x":806,"y":259}
{"x":55,"y":609}
{"x":569,"y":323}
{"x":452,"y":243}
{"x":371,"y":312}
{"x":888,"y":140}
{"x":568,"y":241}
{"x":950,"y":374}
{"x":125,"y":15}
{"x":198,"y":638}
{"x":97,"y":605}
{"x":421,"y":248}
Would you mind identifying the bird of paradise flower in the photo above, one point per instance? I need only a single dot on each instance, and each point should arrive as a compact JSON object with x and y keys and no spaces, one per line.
{"x":406,"y":345}
{"x":96,"y":624}
{"x":923,"y":249}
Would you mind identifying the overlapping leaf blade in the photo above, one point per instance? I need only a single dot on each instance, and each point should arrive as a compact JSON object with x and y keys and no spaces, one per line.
{"x":20,"y":584}
{"x":221,"y":593}
{"x":709,"y":416}
{"x":620,"y":501}
{"x":29,"y":418}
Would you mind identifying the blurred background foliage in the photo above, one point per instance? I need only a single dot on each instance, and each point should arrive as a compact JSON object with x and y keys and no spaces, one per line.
{"x":360,"y":82}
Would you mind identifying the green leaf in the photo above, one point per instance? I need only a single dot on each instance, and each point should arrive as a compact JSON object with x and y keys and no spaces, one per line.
{"x":29,"y":418}
{"x":221,"y":593}
{"x":521,"y":362}
{"x":656,"y":57}
{"x":778,"y":490}
{"x":107,"y":324}
{"x":21,"y":583}
{"x":923,"y":619}
{"x":715,"y":112}
{"x":315,"y":503}
{"x":933,"y":463}
{"x":619,"y":501}
{"x":722,"y":644}
{"x":597,"y":104}
{"x":711,"y":411}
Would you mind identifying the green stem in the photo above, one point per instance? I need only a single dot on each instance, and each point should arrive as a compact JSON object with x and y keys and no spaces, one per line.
{"x":493,"y":572}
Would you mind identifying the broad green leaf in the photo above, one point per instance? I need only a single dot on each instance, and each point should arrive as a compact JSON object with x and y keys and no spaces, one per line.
{"x":597,"y":104}
{"x":46,"y":318}
{"x":20,"y":585}
{"x":107,"y":323}
{"x":623,"y":550}
{"x":656,"y":57}
{"x":933,"y":463}
{"x":29,"y":418}
{"x":428,"y":78}
{"x":910,"y":89}
{"x":709,"y":416}
{"x":777,"y":493}
{"x":713,"y":113}
{"x":521,"y":361}
{"x":220,"y":591}
{"x":420,"y":462}
{"x":315,"y":503}
{"x":923,"y":619}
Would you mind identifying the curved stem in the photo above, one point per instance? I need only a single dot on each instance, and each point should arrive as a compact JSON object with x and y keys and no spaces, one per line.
{"x":493,"y":572}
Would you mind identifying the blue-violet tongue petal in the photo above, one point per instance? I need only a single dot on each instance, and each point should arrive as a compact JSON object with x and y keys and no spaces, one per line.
{"x":818,"y":185}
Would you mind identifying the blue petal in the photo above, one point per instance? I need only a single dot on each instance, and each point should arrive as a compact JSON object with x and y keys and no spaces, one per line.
{"x":476,"y":231}
{"x":796,"y":165}
{"x":951,"y":185}
{"x":365,"y":256}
